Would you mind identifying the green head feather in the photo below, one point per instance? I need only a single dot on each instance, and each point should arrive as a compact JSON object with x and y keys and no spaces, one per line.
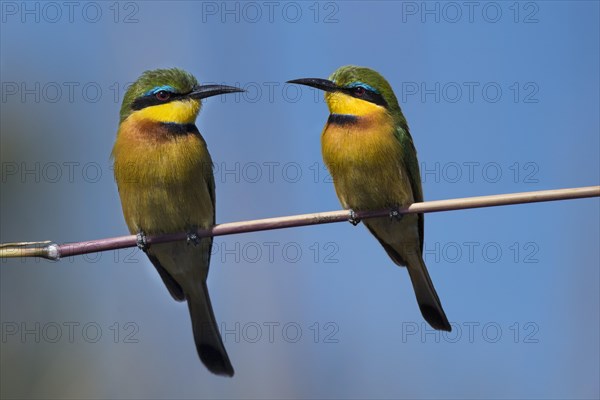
{"x":351,"y":74}
{"x":177,"y":79}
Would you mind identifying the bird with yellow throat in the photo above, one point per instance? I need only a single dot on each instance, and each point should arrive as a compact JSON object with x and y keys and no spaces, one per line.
{"x":368,"y":149}
{"x":164,"y":174}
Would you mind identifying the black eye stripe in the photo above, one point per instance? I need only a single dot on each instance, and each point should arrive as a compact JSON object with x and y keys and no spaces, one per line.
{"x":151,"y":100}
{"x":367,"y":95}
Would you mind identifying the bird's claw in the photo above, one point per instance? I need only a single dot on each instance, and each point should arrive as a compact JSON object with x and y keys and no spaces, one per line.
{"x":395,"y":214}
{"x":353,"y":218}
{"x":192,"y":237}
{"x":142,"y":241}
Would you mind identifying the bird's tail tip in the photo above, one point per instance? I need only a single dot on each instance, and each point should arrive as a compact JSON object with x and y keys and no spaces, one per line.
{"x":209,"y":344}
{"x":435,"y":317}
{"x":213,"y":359}
{"x":427,"y":298}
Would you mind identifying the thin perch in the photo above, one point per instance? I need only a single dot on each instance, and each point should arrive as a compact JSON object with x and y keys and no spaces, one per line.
{"x":53,"y":251}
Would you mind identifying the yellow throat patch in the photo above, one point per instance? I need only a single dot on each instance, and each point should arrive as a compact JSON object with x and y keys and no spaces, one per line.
{"x":341,"y":103}
{"x":178,"y":111}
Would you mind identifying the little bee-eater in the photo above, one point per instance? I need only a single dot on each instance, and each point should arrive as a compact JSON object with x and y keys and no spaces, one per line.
{"x":370,"y":154}
{"x":164,"y":175}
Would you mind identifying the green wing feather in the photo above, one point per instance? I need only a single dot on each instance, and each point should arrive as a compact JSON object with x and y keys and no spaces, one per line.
{"x":411,"y":164}
{"x":210,"y":181}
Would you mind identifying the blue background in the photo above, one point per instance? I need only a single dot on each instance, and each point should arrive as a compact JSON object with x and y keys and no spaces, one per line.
{"x":524,"y":302}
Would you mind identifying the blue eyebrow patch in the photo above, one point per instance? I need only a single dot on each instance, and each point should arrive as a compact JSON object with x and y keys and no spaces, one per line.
{"x":157,"y":89}
{"x":363,"y":85}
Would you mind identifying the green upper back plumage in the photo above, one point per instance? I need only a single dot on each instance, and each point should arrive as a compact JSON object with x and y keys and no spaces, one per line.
{"x":173,"y":79}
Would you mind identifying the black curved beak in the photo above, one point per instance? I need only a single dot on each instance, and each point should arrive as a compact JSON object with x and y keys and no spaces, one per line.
{"x":204,"y":91}
{"x":322,"y":84}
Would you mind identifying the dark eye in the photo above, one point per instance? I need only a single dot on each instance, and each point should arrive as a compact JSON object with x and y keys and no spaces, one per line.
{"x":359,"y":91}
{"x":163,"y":95}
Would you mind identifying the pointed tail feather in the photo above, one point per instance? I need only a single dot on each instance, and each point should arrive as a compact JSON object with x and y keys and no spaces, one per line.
{"x":428,"y":300}
{"x":206,"y":335}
